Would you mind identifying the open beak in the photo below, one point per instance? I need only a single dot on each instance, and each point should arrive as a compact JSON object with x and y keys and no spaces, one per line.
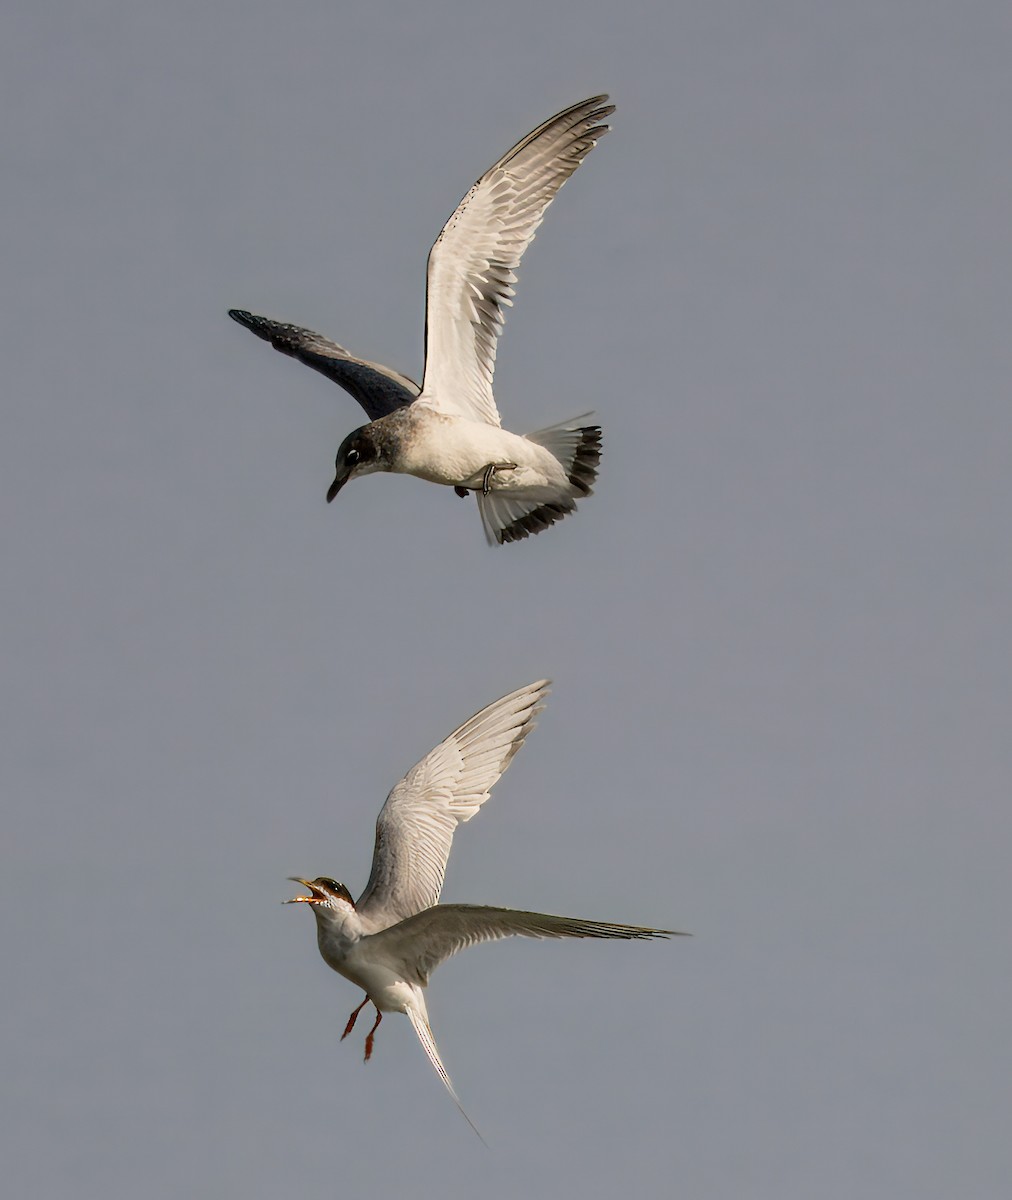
{"x":315,"y":898}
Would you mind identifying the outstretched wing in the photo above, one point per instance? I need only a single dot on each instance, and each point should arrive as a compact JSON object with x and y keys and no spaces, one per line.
{"x":415,"y":827}
{"x":423,"y":941}
{"x":472,"y":266}
{"x":378,"y":389}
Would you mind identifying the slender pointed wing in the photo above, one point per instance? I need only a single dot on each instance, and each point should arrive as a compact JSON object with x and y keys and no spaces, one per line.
{"x":378,"y":389}
{"x":428,"y":938}
{"x":472,"y":266}
{"x":415,"y":827}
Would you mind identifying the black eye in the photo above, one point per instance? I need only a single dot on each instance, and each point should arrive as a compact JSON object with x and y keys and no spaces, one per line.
{"x":352,"y":457}
{"x":330,"y":883}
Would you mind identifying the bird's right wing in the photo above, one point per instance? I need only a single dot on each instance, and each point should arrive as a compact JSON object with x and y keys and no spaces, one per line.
{"x":420,"y":943}
{"x":380,"y":390}
{"x":415,"y":827}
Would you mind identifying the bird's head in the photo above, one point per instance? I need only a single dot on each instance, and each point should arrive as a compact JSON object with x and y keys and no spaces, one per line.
{"x":328,"y":897}
{"x":360,"y":454}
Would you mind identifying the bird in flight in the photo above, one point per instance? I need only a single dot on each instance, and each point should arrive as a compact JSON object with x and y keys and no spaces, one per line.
{"x":449,"y":430}
{"x":393,"y":937}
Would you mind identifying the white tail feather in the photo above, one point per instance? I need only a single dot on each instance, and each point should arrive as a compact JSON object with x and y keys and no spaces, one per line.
{"x":420,"y":1021}
{"x":511,"y":514}
{"x":562,"y":439}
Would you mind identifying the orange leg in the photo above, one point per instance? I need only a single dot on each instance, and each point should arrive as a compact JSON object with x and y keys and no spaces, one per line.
{"x":351,"y":1020}
{"x":371,"y":1034}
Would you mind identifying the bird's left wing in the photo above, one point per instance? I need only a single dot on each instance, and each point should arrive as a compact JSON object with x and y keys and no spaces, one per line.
{"x":472,"y":266}
{"x":423,"y":941}
{"x":380,"y":390}
{"x":415,"y":827}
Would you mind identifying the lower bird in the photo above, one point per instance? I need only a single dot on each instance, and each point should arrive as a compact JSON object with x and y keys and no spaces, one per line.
{"x":392,"y":938}
{"x":448,"y":430}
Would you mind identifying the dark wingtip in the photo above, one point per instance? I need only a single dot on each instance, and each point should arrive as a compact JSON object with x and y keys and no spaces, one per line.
{"x":264,"y":327}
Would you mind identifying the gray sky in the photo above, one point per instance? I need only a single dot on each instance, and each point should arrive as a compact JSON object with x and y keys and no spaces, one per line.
{"x":779,"y":632}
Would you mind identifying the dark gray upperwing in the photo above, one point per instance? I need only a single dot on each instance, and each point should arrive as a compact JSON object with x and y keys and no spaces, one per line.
{"x":377,"y":388}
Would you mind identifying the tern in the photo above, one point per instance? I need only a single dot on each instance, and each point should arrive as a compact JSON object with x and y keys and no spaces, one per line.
{"x":393,"y":937}
{"x":449,"y":430}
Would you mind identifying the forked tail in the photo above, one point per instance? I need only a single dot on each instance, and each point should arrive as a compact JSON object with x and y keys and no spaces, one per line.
{"x":420,"y":1022}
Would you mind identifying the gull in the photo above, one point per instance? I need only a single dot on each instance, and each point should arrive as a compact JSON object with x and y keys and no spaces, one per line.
{"x":393,"y":937}
{"x":449,"y":430}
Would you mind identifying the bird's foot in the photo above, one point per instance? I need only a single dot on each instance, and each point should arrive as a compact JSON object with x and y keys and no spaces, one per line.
{"x":490,"y":470}
{"x":351,"y":1020}
{"x":371,"y":1034}
{"x":462,"y":492}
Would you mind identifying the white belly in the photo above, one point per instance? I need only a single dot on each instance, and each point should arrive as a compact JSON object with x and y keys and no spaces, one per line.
{"x":456,"y":452}
{"x":386,"y":986}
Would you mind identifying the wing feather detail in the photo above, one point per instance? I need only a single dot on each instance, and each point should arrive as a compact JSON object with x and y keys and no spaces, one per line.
{"x":380,"y":390}
{"x":415,"y":827}
{"x":472,"y":266}
{"x":430,"y":937}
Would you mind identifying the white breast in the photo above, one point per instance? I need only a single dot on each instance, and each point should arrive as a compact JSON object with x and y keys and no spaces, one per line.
{"x":453,"y":451}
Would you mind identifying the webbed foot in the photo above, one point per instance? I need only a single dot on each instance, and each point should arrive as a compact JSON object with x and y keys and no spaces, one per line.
{"x":371,"y":1034}
{"x":351,"y":1020}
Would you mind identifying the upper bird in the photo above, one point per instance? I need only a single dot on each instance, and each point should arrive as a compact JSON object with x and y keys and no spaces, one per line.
{"x":394,"y":936}
{"x":449,"y":430}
